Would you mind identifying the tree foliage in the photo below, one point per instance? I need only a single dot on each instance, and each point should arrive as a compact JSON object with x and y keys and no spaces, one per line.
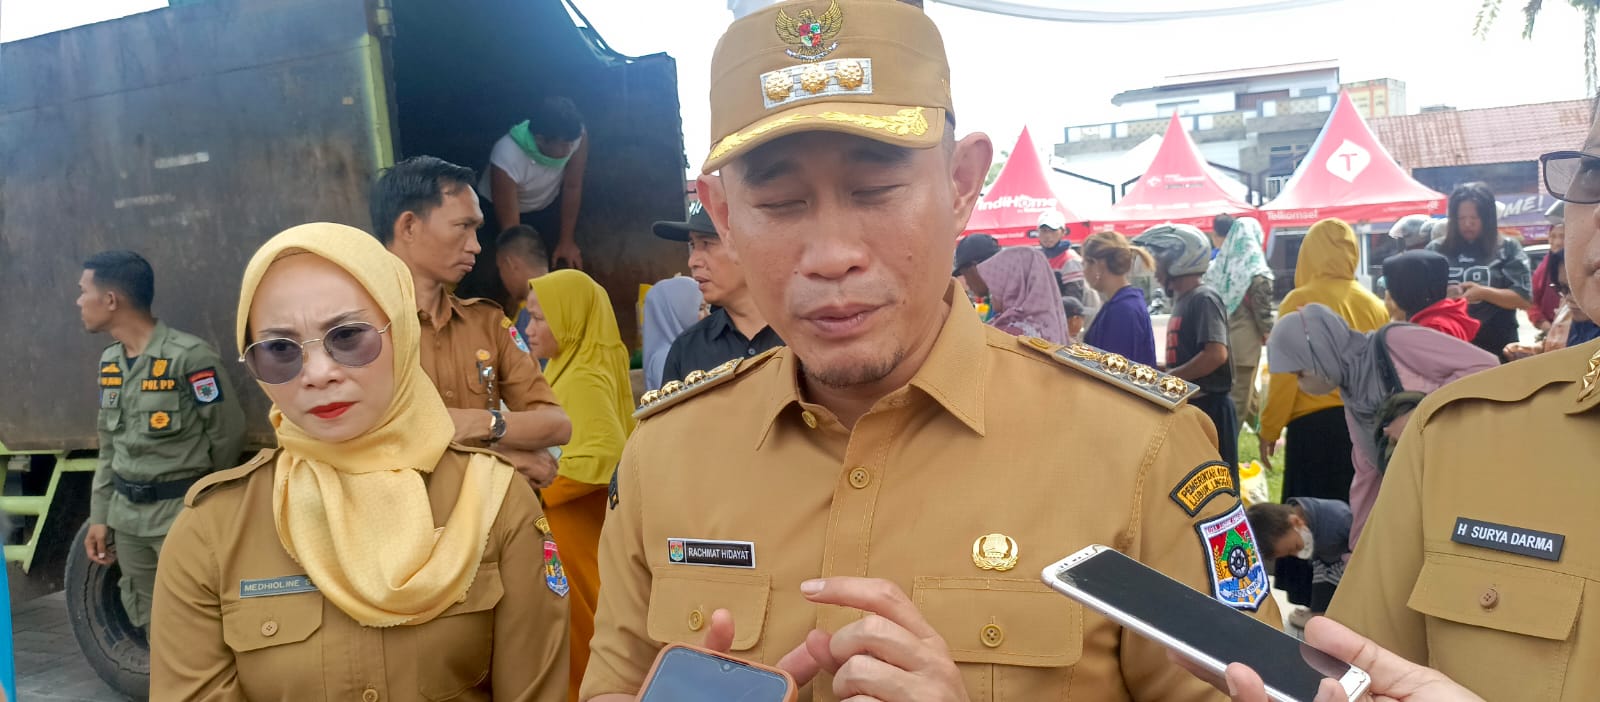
{"x":1489,"y":11}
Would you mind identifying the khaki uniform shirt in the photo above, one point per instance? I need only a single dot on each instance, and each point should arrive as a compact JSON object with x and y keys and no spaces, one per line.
{"x":506,"y":641}
{"x":1482,"y":556}
{"x":453,"y":337}
{"x":973,"y":446}
{"x":169,"y":414}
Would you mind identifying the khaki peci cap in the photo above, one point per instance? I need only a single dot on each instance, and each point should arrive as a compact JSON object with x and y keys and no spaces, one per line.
{"x":873,"y":68}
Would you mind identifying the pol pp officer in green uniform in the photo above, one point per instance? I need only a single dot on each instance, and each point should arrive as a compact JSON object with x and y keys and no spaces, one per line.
{"x":167,"y":417}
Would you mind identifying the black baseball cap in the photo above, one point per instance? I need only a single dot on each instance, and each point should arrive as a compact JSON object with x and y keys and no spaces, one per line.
{"x":973,"y":250}
{"x":698,"y":221}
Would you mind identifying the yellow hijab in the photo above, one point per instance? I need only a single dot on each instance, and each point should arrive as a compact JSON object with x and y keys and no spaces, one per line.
{"x":356,"y":514}
{"x":589,"y":374}
{"x":1325,"y":273}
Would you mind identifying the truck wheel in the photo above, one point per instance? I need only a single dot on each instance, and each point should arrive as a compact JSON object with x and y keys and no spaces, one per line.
{"x":116,"y":649}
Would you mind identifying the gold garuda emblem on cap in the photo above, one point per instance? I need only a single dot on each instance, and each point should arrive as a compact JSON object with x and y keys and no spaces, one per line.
{"x":995,"y":552}
{"x":810,"y":37}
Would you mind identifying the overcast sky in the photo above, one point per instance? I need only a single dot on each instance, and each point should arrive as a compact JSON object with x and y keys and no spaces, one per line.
{"x":1008,"y":72}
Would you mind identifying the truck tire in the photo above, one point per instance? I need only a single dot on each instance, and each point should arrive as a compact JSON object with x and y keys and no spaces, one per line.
{"x":116,"y":649}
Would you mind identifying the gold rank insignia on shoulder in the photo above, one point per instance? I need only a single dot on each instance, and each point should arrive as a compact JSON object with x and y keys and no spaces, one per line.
{"x":543,"y":525}
{"x":1142,"y":380}
{"x":692,"y":384}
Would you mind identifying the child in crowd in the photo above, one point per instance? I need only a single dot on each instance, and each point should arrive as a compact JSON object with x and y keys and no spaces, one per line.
{"x":1075,"y":318}
{"x":1418,"y":283}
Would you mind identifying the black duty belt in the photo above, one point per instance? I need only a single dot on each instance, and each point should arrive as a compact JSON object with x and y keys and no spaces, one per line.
{"x":146,"y":493}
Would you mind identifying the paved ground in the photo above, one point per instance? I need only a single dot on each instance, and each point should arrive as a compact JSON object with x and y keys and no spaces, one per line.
{"x":50,"y":667}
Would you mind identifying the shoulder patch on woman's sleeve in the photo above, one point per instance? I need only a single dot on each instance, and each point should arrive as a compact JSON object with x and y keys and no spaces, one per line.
{"x":1142,"y":380}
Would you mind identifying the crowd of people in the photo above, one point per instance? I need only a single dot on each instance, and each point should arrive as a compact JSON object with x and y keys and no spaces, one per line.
{"x":465,"y":503}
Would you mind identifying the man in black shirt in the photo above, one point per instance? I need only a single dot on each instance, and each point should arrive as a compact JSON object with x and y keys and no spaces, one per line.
{"x":735,"y":328}
{"x":1197,"y":331}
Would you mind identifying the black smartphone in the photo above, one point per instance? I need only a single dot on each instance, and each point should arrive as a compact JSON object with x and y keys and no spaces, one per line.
{"x":689,"y":674}
{"x":1197,"y":626}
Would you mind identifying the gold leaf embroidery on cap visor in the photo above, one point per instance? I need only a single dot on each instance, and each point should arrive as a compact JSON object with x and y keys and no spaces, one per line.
{"x":907,"y":122}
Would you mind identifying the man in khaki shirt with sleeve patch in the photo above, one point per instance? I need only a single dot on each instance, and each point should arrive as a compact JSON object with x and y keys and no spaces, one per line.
{"x":876,"y":502}
{"x":424,"y":210}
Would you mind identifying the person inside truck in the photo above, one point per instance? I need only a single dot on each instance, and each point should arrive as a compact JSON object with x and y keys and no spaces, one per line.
{"x":425,"y":212}
{"x":367,"y":556}
{"x":538,"y":159}
{"x":519,"y":256}
{"x":167,"y":417}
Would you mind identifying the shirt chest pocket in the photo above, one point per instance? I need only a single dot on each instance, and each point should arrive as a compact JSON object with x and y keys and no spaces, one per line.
{"x":681,"y":604}
{"x":1014,"y":639}
{"x":454,"y":650}
{"x":269,"y":636}
{"x":475,"y":391}
{"x":159,"y":414}
{"x":1489,"y":617}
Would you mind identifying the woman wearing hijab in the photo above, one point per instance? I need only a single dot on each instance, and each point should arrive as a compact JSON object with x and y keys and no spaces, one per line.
{"x":1023,"y":293}
{"x":1122,"y":325}
{"x":1494,"y":273}
{"x":670,"y":307}
{"x":1240,"y":274}
{"x":572,"y":325}
{"x":362,"y":559}
{"x":1320,"y":350}
{"x":1317,"y":451}
{"x":1417,"y":285}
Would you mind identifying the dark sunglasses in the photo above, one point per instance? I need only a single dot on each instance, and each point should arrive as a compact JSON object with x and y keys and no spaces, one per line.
{"x":278,"y":361}
{"x":1572,"y":176}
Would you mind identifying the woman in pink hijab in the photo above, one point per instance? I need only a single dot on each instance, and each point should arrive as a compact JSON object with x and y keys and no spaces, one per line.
{"x":1023,"y":293}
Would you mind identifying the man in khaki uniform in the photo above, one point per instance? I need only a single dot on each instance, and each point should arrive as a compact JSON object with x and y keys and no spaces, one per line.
{"x":167,"y":418}
{"x":425,"y":211}
{"x":1482,"y":552}
{"x":899,"y":461}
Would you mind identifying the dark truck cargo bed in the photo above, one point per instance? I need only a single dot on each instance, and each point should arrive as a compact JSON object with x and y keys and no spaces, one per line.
{"x":192,"y":134}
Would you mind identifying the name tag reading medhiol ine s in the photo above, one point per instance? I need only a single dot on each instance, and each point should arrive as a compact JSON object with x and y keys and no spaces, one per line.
{"x":1501,"y":537}
{"x":723,"y":554}
{"x":268,"y":587}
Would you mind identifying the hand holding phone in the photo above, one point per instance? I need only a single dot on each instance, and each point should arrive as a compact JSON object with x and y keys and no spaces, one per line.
{"x":689,"y":674}
{"x":1197,"y":627}
{"x":1393,"y":677}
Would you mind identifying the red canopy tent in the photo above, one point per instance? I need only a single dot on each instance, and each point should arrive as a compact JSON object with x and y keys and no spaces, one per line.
{"x":1349,"y":175}
{"x":1177,"y":188}
{"x":1011,"y":208}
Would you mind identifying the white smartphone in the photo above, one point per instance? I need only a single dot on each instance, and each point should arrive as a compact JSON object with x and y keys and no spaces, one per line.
{"x":1195,"y":625}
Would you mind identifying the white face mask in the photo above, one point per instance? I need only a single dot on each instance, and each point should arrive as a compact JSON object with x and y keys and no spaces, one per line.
{"x":1313,"y":385}
{"x":1305,"y":551}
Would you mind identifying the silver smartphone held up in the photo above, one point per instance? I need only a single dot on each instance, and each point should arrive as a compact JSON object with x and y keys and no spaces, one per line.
{"x":1195,"y":625}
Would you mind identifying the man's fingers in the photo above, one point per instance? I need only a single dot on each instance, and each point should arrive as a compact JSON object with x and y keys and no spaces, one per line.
{"x":1339,"y":641}
{"x":1330,"y":691}
{"x":867,"y":678}
{"x":879,"y":597}
{"x":1244,"y":685}
{"x":802,"y":663}
{"x":877,"y":637}
{"x":719,"y":632}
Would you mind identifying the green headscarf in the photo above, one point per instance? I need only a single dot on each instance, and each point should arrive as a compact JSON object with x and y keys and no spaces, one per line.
{"x":1239,"y":262}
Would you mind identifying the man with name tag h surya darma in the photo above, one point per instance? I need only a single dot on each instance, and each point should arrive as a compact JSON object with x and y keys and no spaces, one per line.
{"x":875,"y":503}
{"x":1481,"y":552}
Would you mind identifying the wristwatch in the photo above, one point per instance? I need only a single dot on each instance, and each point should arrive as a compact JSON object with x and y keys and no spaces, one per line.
{"x":497,"y":426}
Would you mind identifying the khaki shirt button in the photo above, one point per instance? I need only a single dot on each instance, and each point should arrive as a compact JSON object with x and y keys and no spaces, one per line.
{"x":992,"y":635}
{"x":809,"y":418}
{"x":859,"y":478}
{"x":697,"y":620}
{"x":449,"y":394}
{"x":269,"y":628}
{"x":369,"y":695}
{"x":1489,"y":599}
